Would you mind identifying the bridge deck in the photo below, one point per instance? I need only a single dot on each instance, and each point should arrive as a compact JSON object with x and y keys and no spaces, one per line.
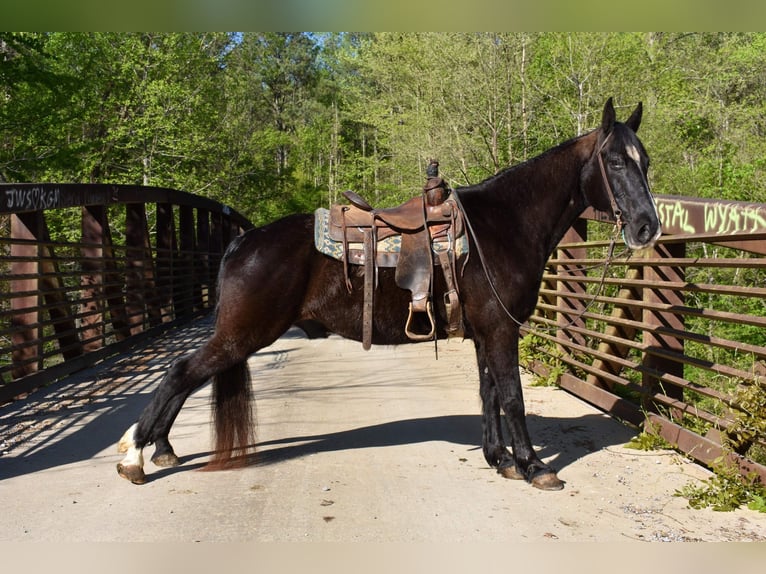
{"x":345,"y":456}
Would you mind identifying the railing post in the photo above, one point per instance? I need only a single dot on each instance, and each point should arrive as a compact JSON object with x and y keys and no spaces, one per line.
{"x":659,"y":320}
{"x":51,"y":287}
{"x":564,"y":319}
{"x":165,"y":260}
{"x":139,"y":270}
{"x":186,"y":277}
{"x":92,"y":278}
{"x":203,"y":298}
{"x":100,"y":281}
{"x":215,"y":249}
{"x":618,"y":330}
{"x":25,"y":335}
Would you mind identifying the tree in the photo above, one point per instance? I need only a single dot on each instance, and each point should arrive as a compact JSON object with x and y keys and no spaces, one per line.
{"x":707,"y":130}
{"x":125,"y":108}
{"x":34,"y":97}
{"x":278,"y":122}
{"x":270,"y":84}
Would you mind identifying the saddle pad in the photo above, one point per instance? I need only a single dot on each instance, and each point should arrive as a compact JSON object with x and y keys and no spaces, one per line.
{"x":325,"y":244}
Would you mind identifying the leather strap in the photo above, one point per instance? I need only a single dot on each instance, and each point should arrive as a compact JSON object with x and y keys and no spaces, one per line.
{"x":345,"y":250}
{"x":414,"y":272}
{"x":369,"y":287}
{"x":615,"y":208}
{"x":451,"y":296}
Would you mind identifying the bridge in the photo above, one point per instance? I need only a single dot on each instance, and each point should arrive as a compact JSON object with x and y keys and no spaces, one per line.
{"x":89,"y":269}
{"x":102,"y":286}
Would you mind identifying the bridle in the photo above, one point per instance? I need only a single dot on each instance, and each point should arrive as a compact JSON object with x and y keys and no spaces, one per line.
{"x":609,"y":258}
{"x":610,"y":194}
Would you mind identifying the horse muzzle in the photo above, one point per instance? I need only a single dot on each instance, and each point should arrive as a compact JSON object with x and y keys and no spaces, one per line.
{"x":642,"y":232}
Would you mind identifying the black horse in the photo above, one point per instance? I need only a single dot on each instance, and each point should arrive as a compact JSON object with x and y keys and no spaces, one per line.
{"x":272,"y":278}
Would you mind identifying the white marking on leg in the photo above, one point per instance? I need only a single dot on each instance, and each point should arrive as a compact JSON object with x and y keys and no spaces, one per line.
{"x":133,"y":456}
{"x":127,"y":439}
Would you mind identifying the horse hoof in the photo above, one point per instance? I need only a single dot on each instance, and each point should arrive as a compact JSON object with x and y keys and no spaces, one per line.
{"x":133,"y":473}
{"x":510,"y":472}
{"x":166,"y":460}
{"x":547,"y":481}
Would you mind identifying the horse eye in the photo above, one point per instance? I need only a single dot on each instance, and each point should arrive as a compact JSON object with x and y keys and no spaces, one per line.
{"x":617,"y":162}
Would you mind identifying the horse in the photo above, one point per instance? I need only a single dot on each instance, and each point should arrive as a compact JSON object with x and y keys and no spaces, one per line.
{"x":272,"y":278}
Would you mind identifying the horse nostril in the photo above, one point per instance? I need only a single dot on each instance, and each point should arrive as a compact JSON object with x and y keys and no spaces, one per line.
{"x":644,"y":234}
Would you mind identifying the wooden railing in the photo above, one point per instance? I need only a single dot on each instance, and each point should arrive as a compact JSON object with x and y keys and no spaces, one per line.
{"x":673,"y":338}
{"x":87,"y":270}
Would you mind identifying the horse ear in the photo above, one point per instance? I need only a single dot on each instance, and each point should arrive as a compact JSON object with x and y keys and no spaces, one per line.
{"x":608,"y":117}
{"x":635,"y":118}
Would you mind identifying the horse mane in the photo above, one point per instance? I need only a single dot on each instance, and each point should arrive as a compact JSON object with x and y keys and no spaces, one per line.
{"x":511,"y":171}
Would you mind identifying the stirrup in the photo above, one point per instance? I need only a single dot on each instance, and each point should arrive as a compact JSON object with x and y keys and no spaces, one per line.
{"x":420,"y":336}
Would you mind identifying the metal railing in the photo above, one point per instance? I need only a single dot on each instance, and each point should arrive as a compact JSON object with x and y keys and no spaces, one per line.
{"x":88,"y":270}
{"x":672,"y":338}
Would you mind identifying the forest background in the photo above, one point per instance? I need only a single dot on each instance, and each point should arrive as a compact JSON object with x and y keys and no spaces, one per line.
{"x":273,"y":123}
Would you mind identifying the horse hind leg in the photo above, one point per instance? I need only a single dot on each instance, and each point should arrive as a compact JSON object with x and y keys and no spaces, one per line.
{"x":185,"y":375}
{"x":164,"y":456}
{"x":131,"y":467}
{"x":259,"y":298}
{"x":153,"y":425}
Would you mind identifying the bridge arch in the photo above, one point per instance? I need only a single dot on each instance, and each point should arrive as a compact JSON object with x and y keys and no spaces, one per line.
{"x":132,"y":261}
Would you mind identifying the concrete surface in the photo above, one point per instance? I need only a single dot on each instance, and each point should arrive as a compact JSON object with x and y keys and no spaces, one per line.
{"x":377,"y":446}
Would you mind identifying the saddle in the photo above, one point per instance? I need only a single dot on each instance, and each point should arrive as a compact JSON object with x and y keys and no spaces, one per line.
{"x":425,"y":229}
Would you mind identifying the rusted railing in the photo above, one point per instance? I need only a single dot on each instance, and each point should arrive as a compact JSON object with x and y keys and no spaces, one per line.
{"x":672,"y":339}
{"x":87,"y":270}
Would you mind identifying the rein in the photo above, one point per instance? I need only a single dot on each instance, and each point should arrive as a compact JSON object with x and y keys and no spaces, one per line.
{"x":607,"y":262}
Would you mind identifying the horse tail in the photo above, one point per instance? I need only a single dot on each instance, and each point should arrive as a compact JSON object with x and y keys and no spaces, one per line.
{"x":233,"y":417}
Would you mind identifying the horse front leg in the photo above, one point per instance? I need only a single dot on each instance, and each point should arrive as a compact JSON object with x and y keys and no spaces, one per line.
{"x":495,"y":452}
{"x":500,"y":359}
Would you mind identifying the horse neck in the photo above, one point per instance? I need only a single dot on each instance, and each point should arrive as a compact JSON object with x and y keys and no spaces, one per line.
{"x":542,"y":197}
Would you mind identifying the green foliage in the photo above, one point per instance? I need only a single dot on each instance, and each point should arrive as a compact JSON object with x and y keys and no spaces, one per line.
{"x":728,"y":489}
{"x":272,"y":122}
{"x":534,"y":349}
{"x":750,"y":418}
{"x":725,"y":490}
{"x":648,"y":441}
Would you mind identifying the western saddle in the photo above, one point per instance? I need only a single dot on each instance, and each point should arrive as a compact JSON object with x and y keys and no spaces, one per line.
{"x":426,"y":226}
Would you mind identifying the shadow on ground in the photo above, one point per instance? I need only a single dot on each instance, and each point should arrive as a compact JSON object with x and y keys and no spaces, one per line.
{"x":571,"y":439}
{"x":85,"y":414}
